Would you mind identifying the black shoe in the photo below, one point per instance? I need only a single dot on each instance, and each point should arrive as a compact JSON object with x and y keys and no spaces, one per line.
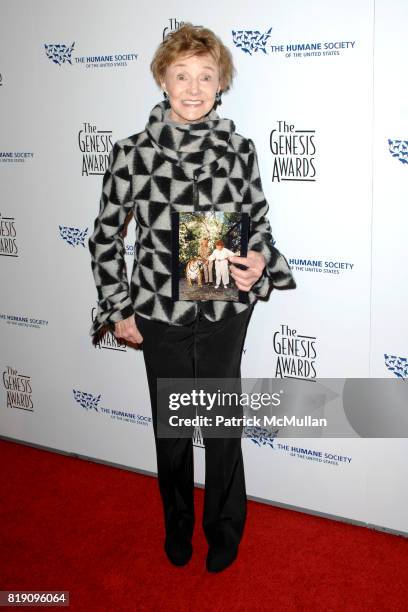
{"x":178,"y":548}
{"x":219,"y":558}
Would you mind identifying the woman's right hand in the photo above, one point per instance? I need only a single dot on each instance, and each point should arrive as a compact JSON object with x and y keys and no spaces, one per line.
{"x":127,"y":330}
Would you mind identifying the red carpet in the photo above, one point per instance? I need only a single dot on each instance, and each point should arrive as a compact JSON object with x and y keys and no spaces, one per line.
{"x":96,"y":531}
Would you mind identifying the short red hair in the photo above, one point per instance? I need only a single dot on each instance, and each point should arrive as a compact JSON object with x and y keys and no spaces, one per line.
{"x":191,"y":40}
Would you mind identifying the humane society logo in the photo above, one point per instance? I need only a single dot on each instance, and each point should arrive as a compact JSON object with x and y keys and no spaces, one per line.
{"x":23,"y":320}
{"x":16,"y":156}
{"x":253,"y":42}
{"x":73,"y":235}
{"x":129,"y":249}
{"x":90,"y":402}
{"x":262,"y":438}
{"x":260,"y":435}
{"x":61,"y":53}
{"x":317,"y":456}
{"x":397,"y":365}
{"x":331,"y":267}
{"x":399,"y":149}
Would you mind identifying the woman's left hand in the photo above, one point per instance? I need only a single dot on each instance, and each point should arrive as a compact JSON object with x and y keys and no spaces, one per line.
{"x":255,"y":263}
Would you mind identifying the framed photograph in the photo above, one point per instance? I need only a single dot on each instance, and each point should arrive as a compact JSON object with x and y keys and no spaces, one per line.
{"x":202,"y":243}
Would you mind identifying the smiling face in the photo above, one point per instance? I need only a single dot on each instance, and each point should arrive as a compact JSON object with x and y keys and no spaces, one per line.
{"x":191,"y":84}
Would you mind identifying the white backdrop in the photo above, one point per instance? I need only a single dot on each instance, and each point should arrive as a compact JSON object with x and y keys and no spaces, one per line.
{"x":332,"y":71}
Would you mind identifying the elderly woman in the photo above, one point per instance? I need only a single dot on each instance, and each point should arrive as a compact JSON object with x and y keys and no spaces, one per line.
{"x":187,"y":159}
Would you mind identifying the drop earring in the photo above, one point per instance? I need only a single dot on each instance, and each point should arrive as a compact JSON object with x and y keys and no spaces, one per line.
{"x":218,"y":97}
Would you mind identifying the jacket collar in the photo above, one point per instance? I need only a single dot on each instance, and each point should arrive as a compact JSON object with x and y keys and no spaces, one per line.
{"x":191,"y":145}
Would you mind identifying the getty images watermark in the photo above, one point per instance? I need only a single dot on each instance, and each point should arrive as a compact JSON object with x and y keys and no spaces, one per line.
{"x":282,"y":407}
{"x":220,"y":400}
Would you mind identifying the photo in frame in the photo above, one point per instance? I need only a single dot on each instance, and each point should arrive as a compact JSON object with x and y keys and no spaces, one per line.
{"x":202,"y":243}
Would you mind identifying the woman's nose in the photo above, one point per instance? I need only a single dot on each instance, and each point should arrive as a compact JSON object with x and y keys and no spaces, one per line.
{"x":194,"y":86}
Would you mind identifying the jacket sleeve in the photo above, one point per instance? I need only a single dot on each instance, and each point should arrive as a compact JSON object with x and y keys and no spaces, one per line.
{"x":106,"y":244}
{"x":277,"y":272}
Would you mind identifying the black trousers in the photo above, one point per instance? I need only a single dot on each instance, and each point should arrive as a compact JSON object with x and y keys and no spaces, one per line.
{"x":202,"y":349}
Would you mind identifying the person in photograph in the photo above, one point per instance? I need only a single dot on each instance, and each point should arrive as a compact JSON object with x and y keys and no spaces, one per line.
{"x":187,"y":158}
{"x":220,"y":256}
{"x":204,"y":252}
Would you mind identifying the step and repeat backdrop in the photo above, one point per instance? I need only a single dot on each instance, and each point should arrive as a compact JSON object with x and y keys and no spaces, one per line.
{"x":321,"y":89}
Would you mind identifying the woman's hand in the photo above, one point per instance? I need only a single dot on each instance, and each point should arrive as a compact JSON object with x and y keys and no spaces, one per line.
{"x":127,"y":330}
{"x":255,"y":263}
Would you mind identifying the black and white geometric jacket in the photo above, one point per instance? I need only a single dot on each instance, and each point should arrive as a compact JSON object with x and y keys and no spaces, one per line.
{"x":175,"y":167}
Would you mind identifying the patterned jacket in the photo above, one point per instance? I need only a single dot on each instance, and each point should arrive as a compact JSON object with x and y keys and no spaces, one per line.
{"x":175,"y":167}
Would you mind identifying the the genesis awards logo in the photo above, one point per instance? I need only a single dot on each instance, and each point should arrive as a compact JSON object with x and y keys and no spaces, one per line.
{"x":255,"y":42}
{"x":198,"y":438}
{"x":173,"y":26}
{"x":91,"y":403}
{"x":61,"y":53}
{"x":108,"y":340}
{"x":8,"y":237}
{"x":294,"y":151}
{"x":18,"y":390}
{"x":94,"y":145}
{"x":296,"y":354}
{"x":399,"y":149}
{"x":397,"y":365}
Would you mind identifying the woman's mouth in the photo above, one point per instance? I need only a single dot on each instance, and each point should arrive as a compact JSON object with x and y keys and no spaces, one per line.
{"x":192,"y":102}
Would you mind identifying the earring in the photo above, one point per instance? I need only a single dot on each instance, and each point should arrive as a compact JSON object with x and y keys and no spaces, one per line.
{"x":218,"y":97}
{"x":165,"y":95}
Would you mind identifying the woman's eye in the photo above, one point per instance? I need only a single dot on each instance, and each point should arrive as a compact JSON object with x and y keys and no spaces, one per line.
{"x":180,"y":76}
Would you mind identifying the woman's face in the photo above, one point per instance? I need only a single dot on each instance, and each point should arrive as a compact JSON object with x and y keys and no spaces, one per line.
{"x":191,"y":84}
